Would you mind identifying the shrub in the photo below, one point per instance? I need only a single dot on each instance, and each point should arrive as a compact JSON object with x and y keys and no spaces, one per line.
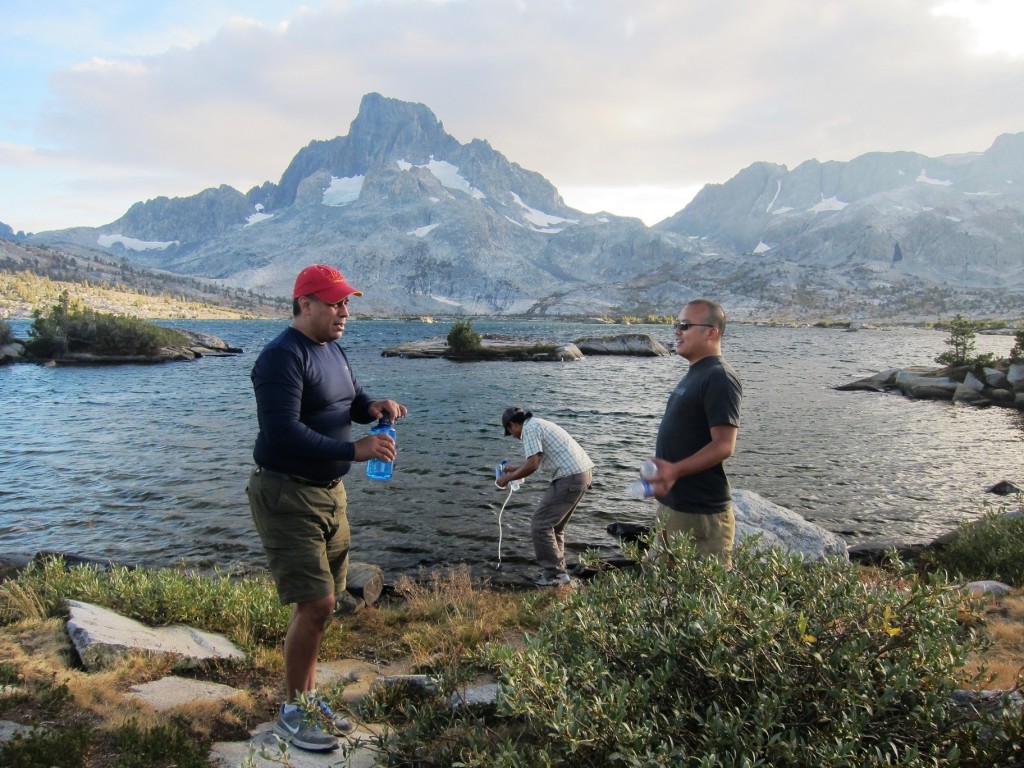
{"x":462,"y":337}
{"x":989,"y":548}
{"x":961,"y":341}
{"x":6,"y":334}
{"x":775,"y":662}
{"x":1017,"y":351}
{"x":70,"y":327}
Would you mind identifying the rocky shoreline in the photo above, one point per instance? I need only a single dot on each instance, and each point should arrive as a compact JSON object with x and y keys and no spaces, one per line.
{"x":990,"y":386}
{"x":510,"y":348}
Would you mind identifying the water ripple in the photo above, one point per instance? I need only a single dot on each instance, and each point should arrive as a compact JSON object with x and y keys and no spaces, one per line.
{"x":148,"y":464}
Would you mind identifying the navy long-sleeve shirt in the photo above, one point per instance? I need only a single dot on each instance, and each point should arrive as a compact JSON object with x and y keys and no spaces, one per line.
{"x":306,"y":400}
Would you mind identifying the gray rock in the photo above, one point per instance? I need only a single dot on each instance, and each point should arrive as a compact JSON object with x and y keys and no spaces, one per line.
{"x":776,"y":525}
{"x":170,"y":692}
{"x":11,"y":352}
{"x":9,"y":729}
{"x":481,"y":694}
{"x":968,"y":395}
{"x":973,"y":382}
{"x":636,"y":344}
{"x":880,"y":382}
{"x":986,"y":587}
{"x":996,"y":378}
{"x":925,"y":387}
{"x":783,"y":528}
{"x":102,"y":636}
{"x":1015,"y":377}
{"x":1002,"y":396}
{"x":264,"y":750}
{"x":491,"y":348}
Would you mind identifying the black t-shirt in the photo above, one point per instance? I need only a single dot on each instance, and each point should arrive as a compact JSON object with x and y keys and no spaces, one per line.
{"x":306,"y":400}
{"x":709,"y":395}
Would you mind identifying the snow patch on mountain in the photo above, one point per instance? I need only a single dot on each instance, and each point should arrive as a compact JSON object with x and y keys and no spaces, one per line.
{"x":830,"y":204}
{"x":258,"y":216}
{"x":343,"y":191}
{"x":449,"y":175}
{"x":423,"y":231}
{"x":542,"y":222}
{"x":133,"y":244}
{"x":923,"y":178}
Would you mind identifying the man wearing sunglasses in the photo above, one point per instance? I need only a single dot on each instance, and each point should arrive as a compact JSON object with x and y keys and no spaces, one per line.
{"x":697,"y":434}
{"x":306,"y":400}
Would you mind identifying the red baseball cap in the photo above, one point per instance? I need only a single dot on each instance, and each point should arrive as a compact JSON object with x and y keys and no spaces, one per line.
{"x":326,"y":283}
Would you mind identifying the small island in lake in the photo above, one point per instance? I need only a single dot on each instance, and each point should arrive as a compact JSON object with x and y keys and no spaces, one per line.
{"x":71,"y":334}
{"x":502,"y":347}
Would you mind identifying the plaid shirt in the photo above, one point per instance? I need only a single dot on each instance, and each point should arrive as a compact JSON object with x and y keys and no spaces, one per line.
{"x":561,"y":456}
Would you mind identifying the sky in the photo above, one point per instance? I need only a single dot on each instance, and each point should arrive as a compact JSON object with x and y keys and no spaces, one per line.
{"x":626,"y":106}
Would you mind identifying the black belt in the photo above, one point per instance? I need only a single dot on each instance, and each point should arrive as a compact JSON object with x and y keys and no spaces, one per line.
{"x":298,"y":478}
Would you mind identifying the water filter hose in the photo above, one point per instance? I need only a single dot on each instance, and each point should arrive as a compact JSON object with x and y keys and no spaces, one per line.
{"x":500,"y":511}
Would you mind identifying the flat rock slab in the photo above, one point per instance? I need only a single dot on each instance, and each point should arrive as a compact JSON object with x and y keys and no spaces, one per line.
{"x":634,"y":344}
{"x":491,"y":348}
{"x":8,"y":730}
{"x":170,"y":692}
{"x":357,"y":751}
{"x":355,"y":675}
{"x":101,"y":636}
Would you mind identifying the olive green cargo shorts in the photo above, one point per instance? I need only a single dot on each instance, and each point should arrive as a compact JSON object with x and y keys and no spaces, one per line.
{"x":713,"y":534}
{"x":305,"y":534}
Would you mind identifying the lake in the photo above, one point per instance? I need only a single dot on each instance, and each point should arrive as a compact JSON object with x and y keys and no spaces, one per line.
{"x":148,"y":464}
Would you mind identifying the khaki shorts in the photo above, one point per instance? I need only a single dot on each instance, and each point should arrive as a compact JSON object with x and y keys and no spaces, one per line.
{"x":713,"y":534}
{"x":305,"y":534}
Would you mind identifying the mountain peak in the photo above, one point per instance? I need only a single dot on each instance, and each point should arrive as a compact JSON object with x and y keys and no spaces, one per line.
{"x":385,"y":130}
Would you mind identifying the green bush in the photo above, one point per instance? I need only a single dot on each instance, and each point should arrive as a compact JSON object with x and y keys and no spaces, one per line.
{"x":6,"y":334}
{"x":960,"y":341}
{"x":1017,"y":351}
{"x":462,"y":337}
{"x":776,"y":662}
{"x":245,"y":610}
{"x":989,"y":548}
{"x":70,"y":327}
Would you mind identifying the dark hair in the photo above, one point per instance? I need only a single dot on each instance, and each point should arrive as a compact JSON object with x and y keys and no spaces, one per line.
{"x":520,"y":418}
{"x":714,"y":311}
{"x":296,"y":309}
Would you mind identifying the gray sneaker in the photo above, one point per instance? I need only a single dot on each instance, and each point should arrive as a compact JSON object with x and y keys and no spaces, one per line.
{"x":297,"y":728}
{"x":338,"y":723}
{"x":557,"y":580}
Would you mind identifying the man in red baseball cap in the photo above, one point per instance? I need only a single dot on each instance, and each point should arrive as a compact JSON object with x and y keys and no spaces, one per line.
{"x":326,"y":283}
{"x":306,"y":400}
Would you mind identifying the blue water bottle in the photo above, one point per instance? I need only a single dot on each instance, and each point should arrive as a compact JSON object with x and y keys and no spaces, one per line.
{"x":379,"y":469}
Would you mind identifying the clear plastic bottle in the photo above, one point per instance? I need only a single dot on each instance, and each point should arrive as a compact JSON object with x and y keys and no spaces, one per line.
{"x":648,"y":469}
{"x":379,"y":469}
{"x":499,"y":470}
{"x":639,"y":489}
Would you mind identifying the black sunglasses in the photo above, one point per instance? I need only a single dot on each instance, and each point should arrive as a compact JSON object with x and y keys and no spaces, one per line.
{"x":685,"y":325}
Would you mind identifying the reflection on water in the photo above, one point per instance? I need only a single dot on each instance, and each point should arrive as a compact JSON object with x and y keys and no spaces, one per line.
{"x":148,"y":464}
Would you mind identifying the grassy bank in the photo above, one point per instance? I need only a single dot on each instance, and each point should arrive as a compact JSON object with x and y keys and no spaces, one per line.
{"x":776,"y":662}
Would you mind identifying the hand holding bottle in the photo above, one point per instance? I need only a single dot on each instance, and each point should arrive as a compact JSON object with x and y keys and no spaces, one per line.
{"x":502,"y":469}
{"x":642,"y":488}
{"x":381,"y":468}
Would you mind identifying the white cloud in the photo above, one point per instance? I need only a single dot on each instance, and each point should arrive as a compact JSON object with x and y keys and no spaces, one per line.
{"x":628,"y":106}
{"x":995,"y":26}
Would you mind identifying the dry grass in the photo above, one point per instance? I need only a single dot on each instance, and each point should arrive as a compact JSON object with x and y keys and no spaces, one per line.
{"x":1004,"y":627}
{"x":435,"y":623}
{"x":443,"y":614}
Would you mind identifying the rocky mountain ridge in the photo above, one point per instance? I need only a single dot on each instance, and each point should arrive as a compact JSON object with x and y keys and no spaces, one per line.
{"x":425,"y":224}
